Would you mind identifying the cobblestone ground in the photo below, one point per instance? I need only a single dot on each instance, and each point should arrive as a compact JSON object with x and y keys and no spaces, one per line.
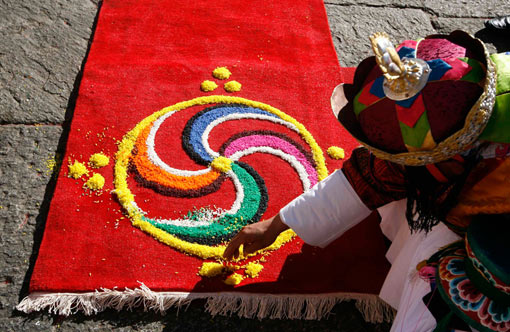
{"x":43,"y":45}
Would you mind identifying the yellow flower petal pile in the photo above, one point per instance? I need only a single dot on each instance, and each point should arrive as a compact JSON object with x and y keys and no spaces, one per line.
{"x":253,"y":269}
{"x":233,"y":86}
{"x":221,"y":73}
{"x":336,"y":152}
{"x":98,"y":160}
{"x":211,"y":269}
{"x":95,"y":182}
{"x":77,"y":170}
{"x":233,"y":279}
{"x":207,"y":86}
{"x":222,"y":164}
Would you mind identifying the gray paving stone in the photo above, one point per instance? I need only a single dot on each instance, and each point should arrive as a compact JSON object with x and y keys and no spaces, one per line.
{"x":26,"y":167}
{"x":454,"y":8}
{"x":445,"y":25}
{"x":378,"y":3}
{"x":468,"y":8}
{"x":42,"y":46}
{"x":494,"y":42}
{"x":351,"y":26}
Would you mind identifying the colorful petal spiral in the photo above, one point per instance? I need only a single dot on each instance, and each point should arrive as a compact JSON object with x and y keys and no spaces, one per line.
{"x":202,"y":233}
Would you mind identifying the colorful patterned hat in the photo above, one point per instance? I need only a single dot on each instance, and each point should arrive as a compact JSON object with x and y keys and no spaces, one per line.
{"x":474,"y":280}
{"x":423,"y":102}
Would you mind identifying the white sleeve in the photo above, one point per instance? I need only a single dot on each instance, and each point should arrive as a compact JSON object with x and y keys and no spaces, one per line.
{"x":326,"y":211}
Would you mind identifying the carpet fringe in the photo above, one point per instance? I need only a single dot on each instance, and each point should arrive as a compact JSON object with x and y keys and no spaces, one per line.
{"x":246,"y":305}
{"x":297,"y":306}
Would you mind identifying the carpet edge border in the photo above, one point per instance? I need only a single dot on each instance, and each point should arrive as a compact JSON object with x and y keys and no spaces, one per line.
{"x":245,"y":305}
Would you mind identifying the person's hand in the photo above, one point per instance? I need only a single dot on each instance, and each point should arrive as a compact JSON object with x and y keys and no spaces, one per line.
{"x":255,"y":237}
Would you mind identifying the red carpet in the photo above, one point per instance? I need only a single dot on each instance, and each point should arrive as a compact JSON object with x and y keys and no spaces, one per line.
{"x":187,"y":168}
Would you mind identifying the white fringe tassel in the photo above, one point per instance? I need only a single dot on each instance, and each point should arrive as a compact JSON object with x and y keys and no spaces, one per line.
{"x":247,"y":305}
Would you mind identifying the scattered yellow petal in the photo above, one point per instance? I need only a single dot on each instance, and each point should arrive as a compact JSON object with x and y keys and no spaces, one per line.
{"x":233,"y":86}
{"x":253,"y":269}
{"x":77,"y":170}
{"x":336,"y":152}
{"x":233,"y":279}
{"x":95,"y":182}
{"x":98,"y":160}
{"x":221,"y":164}
{"x":221,"y":73}
{"x":51,"y":163}
{"x":211,"y":269}
{"x":207,"y":86}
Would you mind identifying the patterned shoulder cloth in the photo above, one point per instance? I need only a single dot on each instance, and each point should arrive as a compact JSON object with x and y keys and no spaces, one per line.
{"x":428,"y":102}
{"x":473,"y":276}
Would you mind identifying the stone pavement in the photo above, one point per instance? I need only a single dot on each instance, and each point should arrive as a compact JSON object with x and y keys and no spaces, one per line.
{"x":43,"y":45}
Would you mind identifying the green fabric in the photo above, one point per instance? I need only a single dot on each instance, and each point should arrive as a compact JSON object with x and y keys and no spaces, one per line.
{"x":415,"y":136}
{"x":358,"y":107}
{"x":502,"y":62}
{"x":477,"y":72}
{"x":498,"y":128}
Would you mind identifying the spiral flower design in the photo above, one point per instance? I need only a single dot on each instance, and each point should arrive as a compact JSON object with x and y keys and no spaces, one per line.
{"x":203,"y":233}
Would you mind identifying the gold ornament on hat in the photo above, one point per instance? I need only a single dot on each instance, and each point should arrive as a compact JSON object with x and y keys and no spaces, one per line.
{"x":400,"y":75}
{"x":403,"y":78}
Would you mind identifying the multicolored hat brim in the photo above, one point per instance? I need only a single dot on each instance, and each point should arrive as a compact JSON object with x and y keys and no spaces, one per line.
{"x":459,"y":283}
{"x":474,"y":123}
